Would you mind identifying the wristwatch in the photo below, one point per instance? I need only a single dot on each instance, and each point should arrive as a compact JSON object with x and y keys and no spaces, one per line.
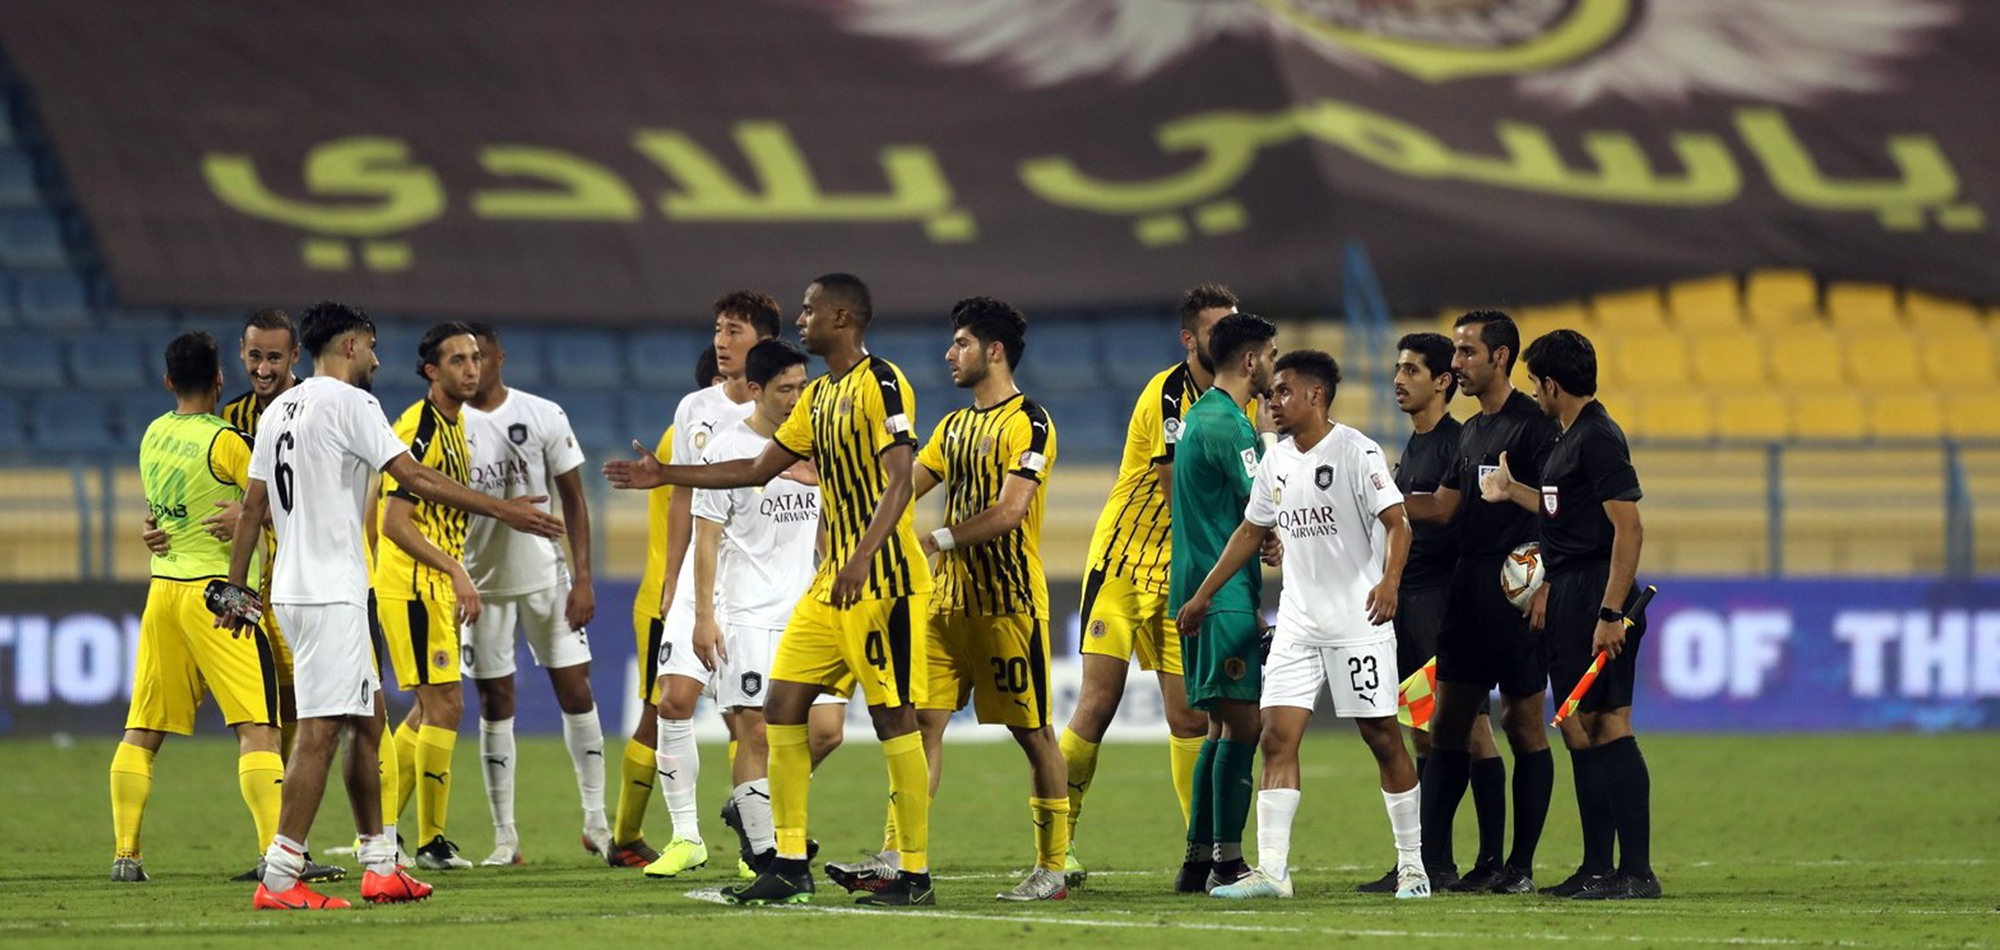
{"x":1608,"y":615}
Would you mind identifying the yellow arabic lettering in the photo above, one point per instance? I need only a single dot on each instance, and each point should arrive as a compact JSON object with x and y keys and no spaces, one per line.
{"x":404,"y":195}
{"x":785,"y":188}
{"x":1925,"y":179}
{"x":1227,"y":142}
{"x":584,"y":190}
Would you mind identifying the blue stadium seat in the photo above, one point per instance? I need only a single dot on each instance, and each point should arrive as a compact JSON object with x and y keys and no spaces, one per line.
{"x":17,"y":180}
{"x":1062,"y":356}
{"x":111,"y":361}
{"x":53,"y":302}
{"x":527,"y":363}
{"x":396,"y":395}
{"x":664,"y":359}
{"x":31,"y":238}
{"x":1088,"y":429}
{"x":919,"y":353}
{"x":30,"y":361}
{"x":597,"y":420}
{"x":1135,"y":348}
{"x":648,"y":412}
{"x":13,"y":425}
{"x":134,"y":410}
{"x":75,"y":422}
{"x":159,"y":319}
{"x":586,"y":358}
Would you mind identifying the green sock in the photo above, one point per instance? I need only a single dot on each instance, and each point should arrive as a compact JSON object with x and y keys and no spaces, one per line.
{"x":1200,"y":823}
{"x":1234,"y":790}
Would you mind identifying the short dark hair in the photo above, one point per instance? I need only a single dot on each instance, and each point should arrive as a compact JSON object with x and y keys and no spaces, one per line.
{"x":192,"y":363}
{"x":1435,"y":348}
{"x":483,"y":331}
{"x":993,"y":321}
{"x":324,"y":321}
{"x":1496,"y":330}
{"x":770,"y":358}
{"x":427,"y":348}
{"x":271,"y":318}
{"x":1235,"y":334}
{"x":706,"y":369}
{"x":1203,"y":297}
{"x":851,"y":292}
{"x":1567,"y":357}
{"x":758,"y":309}
{"x":1320,"y":367}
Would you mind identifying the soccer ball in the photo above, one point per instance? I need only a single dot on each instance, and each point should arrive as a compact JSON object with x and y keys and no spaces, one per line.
{"x":1521,"y":574}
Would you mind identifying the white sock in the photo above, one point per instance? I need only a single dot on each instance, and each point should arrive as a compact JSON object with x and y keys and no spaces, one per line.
{"x":389,"y":835}
{"x":584,"y":736}
{"x":284,"y":861}
{"x":496,"y":755}
{"x":1406,"y":820}
{"x":753,"y":806}
{"x":680,"y":765}
{"x":1275,"y":808}
{"x":378,"y":853}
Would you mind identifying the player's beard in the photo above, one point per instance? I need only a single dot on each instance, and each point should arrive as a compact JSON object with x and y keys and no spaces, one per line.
{"x":970,"y":376}
{"x":365,"y":381}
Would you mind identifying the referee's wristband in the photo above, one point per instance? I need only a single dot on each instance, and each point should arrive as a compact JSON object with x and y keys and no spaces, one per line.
{"x":945,"y":541}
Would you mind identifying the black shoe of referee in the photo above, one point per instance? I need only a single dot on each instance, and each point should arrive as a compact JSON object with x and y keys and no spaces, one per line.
{"x":1512,"y":880}
{"x":1573,"y":883}
{"x":1622,"y":887}
{"x":1386,"y":884}
{"x":1476,"y":881}
{"x":1193,"y":878}
{"x":1226,"y":872}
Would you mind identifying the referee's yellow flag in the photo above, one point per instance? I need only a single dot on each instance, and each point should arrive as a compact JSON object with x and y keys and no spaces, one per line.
{"x":1417,"y":698}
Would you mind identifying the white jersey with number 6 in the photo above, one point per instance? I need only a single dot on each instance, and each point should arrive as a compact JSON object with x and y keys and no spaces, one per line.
{"x":1325,"y":502}
{"x":766,"y":561}
{"x":317,"y":446}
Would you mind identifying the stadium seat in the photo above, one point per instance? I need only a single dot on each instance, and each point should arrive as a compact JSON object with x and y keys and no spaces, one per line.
{"x":1755,"y":414}
{"x":1535,"y":321}
{"x":17,"y":180}
{"x":1806,"y":356}
{"x":646,"y":414}
{"x":527,"y":365}
{"x":1972,"y":414}
{"x":1930,"y":313}
{"x":1088,"y":429}
{"x":598,"y":422}
{"x":397,"y":391}
{"x":133,"y":410}
{"x":1135,"y":348}
{"x":1629,"y":311}
{"x":1958,"y":359}
{"x":1856,"y":306}
{"x":1905,"y":415}
{"x":1710,"y":302}
{"x":53,"y":302}
{"x":75,"y":422}
{"x":30,"y":361}
{"x":1884,"y":360}
{"x":1733,"y":357}
{"x":112,"y":361}
{"x":13,"y":425}
{"x":1774,"y":299}
{"x":665,"y":359}
{"x":1650,"y":360}
{"x":1830,"y":414}
{"x":586,"y":358}
{"x":32,"y":239}
{"x":1674,"y":414}
{"x":1064,"y":357}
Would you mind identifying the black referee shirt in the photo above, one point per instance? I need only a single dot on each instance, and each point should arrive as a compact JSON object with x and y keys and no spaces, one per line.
{"x":1519,"y":429}
{"x":1589,"y":465}
{"x":1434,"y":546}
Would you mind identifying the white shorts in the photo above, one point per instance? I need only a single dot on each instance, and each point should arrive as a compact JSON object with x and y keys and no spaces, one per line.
{"x":333,"y":661}
{"x":744,"y":676}
{"x":1362,"y":678}
{"x":488,"y":648}
{"x":677,"y":645}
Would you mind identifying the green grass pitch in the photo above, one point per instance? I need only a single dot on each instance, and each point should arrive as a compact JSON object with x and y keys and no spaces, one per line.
{"x":1856,"y":841}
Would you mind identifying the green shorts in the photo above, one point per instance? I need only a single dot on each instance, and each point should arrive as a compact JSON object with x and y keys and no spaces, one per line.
{"x":1226,"y":661}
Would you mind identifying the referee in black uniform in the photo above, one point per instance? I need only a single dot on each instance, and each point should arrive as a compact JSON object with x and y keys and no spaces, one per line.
{"x":1484,"y":641}
{"x":1588,"y":502}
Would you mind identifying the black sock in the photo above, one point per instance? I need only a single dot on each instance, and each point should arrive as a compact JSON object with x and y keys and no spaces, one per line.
{"x":1534,"y":781}
{"x":1444,"y":779}
{"x":1593,"y":806}
{"x":1630,"y":791}
{"x":1489,"y":802}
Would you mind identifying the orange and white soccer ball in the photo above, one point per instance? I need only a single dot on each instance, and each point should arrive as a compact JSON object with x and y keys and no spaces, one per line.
{"x":1521,"y":574}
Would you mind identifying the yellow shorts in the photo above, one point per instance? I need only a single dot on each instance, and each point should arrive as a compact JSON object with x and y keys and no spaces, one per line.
{"x":422,"y":637}
{"x":1001,"y":663}
{"x":879,"y":644}
{"x":648,"y":628}
{"x":1122,"y":621}
{"x":182,"y":654}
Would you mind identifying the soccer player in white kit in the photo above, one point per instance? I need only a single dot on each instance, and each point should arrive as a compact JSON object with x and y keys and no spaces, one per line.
{"x":1327,"y":491}
{"x":521,"y":444}
{"x":320,"y":441}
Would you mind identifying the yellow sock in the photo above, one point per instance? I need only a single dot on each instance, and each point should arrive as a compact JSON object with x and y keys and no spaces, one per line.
{"x":635,"y":789}
{"x":262,"y":778}
{"x":1051,"y":817}
{"x":732,"y":756}
{"x":287,"y":729}
{"x":406,"y":770}
{"x":1081,"y":755}
{"x":1182,"y":753}
{"x":910,"y":799}
{"x":434,"y":745}
{"x":389,"y":756}
{"x":889,"y":830}
{"x":791,"y":783}
{"x":131,"y":784}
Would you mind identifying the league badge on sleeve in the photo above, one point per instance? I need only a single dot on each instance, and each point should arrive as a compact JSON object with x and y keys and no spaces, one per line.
{"x":1551,"y":500}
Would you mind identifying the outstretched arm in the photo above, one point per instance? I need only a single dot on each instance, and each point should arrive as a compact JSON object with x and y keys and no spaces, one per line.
{"x":647,"y":471}
{"x":1441,"y":505}
{"x":432,"y":485}
{"x":1499,"y":487}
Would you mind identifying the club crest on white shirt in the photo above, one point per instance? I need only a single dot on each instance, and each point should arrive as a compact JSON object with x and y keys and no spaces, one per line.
{"x":1323,"y":477}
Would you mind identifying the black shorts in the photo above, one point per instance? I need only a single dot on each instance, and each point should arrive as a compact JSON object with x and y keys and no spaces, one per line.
{"x":1484,"y":642}
{"x":1575,"y":597}
{"x":1419,"y":614}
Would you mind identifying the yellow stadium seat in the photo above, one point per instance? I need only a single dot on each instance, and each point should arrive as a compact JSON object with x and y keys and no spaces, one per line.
{"x":1753,"y":414}
{"x":1780,"y":298}
{"x":1933,"y":314}
{"x":1729,"y":358}
{"x":1629,"y":311}
{"x":1906,"y":416}
{"x":1679,"y":414}
{"x":1833,"y":414}
{"x":1708,"y":302}
{"x":1806,"y":355}
{"x":1854,"y":306}
{"x":1647,"y":361}
{"x":1958,"y":359}
{"x":1884,"y":360}
{"x":1972,"y":415}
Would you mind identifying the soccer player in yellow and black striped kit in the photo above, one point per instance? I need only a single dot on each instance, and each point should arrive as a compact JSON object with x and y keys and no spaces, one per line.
{"x":422,"y":591}
{"x":1125,"y":593}
{"x":189,"y":461}
{"x":862,"y":622}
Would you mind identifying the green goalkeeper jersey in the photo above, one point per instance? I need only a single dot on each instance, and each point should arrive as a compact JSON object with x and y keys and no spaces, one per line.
{"x":1214,"y":465}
